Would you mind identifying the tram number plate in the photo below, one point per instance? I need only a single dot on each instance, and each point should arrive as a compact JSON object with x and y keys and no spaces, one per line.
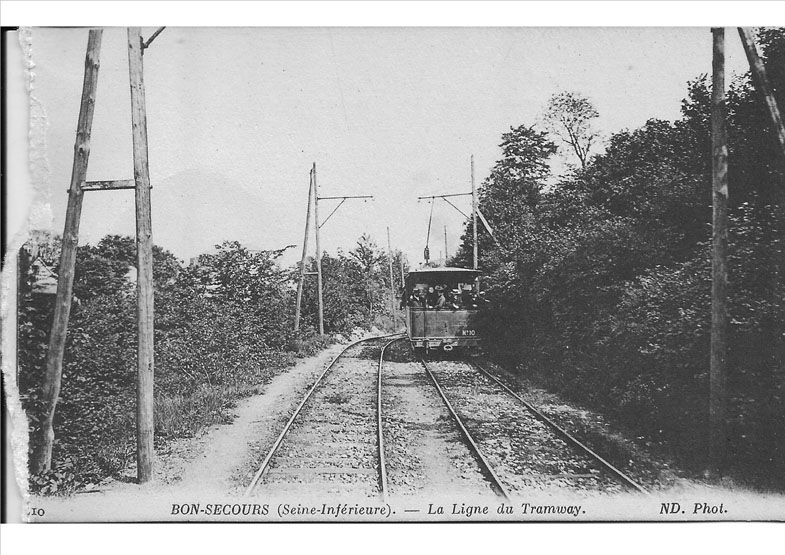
{"x":467,"y":333}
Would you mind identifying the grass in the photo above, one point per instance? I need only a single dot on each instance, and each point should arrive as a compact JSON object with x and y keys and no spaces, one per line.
{"x":186,"y":415}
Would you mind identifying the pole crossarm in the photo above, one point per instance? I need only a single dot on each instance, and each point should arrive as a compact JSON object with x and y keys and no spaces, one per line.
{"x":343,"y":199}
{"x":333,"y":212}
{"x":444,"y":196}
{"x":146,"y":44}
{"x":458,"y":209}
{"x":109,"y":185}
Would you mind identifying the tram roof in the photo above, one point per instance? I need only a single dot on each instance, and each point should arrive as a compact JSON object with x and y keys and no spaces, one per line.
{"x":445,"y":271}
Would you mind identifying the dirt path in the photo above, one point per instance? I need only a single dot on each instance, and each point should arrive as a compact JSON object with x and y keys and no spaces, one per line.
{"x":213,"y":467}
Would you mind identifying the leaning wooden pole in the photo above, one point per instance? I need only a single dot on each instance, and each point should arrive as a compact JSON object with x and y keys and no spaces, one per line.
{"x":300,"y":284}
{"x":762,"y":84}
{"x":144,"y":263}
{"x":42,"y":458}
{"x":719,"y":317}
{"x":320,"y":300}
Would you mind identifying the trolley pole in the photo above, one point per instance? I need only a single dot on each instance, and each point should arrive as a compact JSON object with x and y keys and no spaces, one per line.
{"x":42,"y":459}
{"x":445,"y":245}
{"x":719,"y":316}
{"x":305,"y":254}
{"x":474,"y":214}
{"x":318,"y":251}
{"x":144,"y":262}
{"x":392,"y":279}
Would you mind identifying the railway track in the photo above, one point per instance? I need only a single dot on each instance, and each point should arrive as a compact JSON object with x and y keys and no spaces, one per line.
{"x":485,"y":465}
{"x":564,"y":434}
{"x":518,"y":450}
{"x":331,"y":442}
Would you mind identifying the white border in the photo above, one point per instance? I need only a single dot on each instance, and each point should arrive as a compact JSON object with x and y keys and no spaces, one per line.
{"x":391,"y":13}
{"x":601,"y":538}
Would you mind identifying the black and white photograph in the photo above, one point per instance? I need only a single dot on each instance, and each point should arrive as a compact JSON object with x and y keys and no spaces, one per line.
{"x":412,"y":274}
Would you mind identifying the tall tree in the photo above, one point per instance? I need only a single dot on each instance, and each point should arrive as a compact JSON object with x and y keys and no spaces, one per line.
{"x":510,"y":193}
{"x":568,"y":116}
{"x":372,"y":278}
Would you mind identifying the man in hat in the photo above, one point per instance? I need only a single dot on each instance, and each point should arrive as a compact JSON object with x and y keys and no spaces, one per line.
{"x":441,"y":300}
{"x":453,"y":299}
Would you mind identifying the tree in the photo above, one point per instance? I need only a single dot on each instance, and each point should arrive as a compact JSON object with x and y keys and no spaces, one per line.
{"x":568,"y":116}
{"x":372,"y":278}
{"x":602,"y":287}
{"x":510,"y":193}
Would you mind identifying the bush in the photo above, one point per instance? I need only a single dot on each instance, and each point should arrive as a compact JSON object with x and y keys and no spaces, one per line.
{"x":220,"y":329}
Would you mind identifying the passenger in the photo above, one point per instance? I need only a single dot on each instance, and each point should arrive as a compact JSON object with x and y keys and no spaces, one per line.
{"x":415,"y":300}
{"x":466,"y":296}
{"x":441,"y":301}
{"x":431,"y":297}
{"x":478,"y":299}
{"x":453,"y":299}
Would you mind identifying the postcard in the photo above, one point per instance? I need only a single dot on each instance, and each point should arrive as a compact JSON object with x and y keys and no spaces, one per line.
{"x":397,"y":274}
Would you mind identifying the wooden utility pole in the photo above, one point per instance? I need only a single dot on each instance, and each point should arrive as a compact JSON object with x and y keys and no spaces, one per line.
{"x":474,"y":214}
{"x":392,"y":279}
{"x":144,"y":263}
{"x":42,"y":459}
{"x":305,"y":255}
{"x":318,"y":226}
{"x":763,"y":85}
{"x":719,"y":316}
{"x":318,"y":251}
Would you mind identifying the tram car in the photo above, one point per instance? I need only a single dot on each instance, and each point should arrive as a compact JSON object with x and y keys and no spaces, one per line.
{"x":442,"y":305}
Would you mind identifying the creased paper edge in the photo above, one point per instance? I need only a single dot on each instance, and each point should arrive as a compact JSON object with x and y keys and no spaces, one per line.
{"x":27,"y":182}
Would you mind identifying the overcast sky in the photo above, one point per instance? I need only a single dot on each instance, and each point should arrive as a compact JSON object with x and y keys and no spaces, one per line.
{"x":236,"y":117}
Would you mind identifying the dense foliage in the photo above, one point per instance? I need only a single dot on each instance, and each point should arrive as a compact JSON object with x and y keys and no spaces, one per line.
{"x":601,"y":282}
{"x":223,"y":327}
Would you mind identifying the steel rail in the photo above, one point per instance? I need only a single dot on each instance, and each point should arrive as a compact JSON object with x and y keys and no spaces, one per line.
{"x":380,"y":432}
{"x":569,"y":438}
{"x":486,"y":466}
{"x":277,"y":444}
